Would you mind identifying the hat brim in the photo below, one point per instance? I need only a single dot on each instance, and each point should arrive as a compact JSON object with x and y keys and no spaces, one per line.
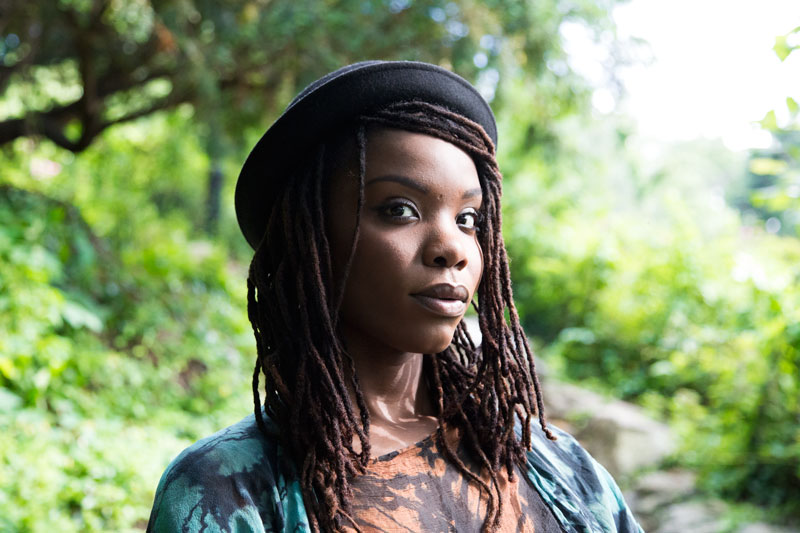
{"x":328,"y":104}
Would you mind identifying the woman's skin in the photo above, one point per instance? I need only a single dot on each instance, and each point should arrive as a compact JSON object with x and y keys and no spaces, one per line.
{"x":417,"y":265}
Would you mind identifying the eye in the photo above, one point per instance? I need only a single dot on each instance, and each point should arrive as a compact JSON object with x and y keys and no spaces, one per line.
{"x":469,"y":219}
{"x":399,"y":210}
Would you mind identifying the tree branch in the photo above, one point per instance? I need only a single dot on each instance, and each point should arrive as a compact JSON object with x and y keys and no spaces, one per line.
{"x":168,"y":102}
{"x":50,"y":124}
{"x":11,"y":129}
{"x":115,"y":81}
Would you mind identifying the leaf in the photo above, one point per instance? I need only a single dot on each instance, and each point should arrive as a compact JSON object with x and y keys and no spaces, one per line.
{"x":767,"y":166}
{"x":78,"y":316}
{"x":770,"y":121}
{"x":781,"y":47}
{"x":7,"y":369}
{"x":792,"y":104}
{"x":9,"y":401}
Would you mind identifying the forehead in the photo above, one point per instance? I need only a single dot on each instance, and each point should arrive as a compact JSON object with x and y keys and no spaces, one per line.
{"x":419,"y":156}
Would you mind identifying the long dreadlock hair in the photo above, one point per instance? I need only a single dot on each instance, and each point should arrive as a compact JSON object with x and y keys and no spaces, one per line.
{"x":293,"y":309}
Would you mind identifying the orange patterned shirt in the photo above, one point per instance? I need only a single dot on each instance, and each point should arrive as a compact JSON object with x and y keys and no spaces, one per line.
{"x":417,"y":490}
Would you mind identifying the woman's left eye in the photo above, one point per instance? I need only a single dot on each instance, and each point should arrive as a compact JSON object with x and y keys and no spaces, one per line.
{"x":468,"y":219}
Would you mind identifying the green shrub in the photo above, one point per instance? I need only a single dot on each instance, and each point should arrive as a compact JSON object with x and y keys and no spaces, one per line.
{"x":124,"y":335}
{"x":655,"y":298}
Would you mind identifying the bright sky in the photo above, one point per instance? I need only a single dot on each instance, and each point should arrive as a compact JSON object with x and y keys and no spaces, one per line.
{"x":713,"y":70}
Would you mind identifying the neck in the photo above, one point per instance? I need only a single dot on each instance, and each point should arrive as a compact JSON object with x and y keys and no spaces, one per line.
{"x":392,"y":385}
{"x":397,"y":398}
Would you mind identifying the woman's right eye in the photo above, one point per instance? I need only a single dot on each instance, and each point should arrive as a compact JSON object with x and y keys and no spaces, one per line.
{"x":399,"y":211}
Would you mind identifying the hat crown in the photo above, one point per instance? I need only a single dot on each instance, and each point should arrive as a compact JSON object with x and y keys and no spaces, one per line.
{"x":330,"y":102}
{"x":328,"y":77}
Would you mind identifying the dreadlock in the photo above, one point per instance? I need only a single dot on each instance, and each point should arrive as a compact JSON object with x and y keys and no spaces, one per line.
{"x":293,"y":311}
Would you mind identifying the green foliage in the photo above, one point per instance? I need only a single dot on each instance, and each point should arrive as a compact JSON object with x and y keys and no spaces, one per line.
{"x":73,"y":68}
{"x":785,"y":44}
{"x":125,"y":328}
{"x":772,"y":191}
{"x":123,"y":334}
{"x":644,"y":282}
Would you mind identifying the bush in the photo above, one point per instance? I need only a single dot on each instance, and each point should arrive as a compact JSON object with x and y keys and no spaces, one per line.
{"x":686,"y":311}
{"x":125,"y":334}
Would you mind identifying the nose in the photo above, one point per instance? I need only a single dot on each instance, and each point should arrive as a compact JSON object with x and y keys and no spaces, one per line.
{"x":445,"y":247}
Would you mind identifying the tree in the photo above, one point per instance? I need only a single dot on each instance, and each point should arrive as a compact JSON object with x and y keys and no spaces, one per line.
{"x":773,"y":186}
{"x":123,"y":334}
{"x":129,"y":59}
{"x":69,"y":69}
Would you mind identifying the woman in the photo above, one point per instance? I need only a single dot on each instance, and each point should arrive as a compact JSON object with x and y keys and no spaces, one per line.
{"x":373,"y":204}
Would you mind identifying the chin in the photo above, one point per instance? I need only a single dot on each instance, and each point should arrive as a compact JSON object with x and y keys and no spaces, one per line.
{"x":437,"y":341}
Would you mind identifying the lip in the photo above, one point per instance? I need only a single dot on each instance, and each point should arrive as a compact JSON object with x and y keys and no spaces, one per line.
{"x":443,"y":299}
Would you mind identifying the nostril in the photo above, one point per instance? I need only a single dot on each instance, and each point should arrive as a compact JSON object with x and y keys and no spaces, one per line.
{"x":440,"y":261}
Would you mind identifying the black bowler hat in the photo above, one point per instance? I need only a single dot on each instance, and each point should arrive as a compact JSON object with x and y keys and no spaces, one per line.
{"x":329,"y":103}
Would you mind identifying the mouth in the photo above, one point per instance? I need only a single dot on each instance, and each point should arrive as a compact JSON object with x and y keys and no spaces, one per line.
{"x":444,"y":299}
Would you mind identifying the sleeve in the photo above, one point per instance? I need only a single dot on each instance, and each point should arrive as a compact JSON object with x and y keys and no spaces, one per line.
{"x":581,"y":493}
{"x":223,"y":483}
{"x":615,"y":501}
{"x":188,"y":503}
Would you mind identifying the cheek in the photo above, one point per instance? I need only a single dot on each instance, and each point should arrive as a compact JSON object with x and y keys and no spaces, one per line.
{"x":375,"y":294}
{"x":478,"y":266}
{"x":380,"y":259}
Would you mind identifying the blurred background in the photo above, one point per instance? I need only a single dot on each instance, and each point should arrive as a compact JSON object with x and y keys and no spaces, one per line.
{"x":651,"y":153}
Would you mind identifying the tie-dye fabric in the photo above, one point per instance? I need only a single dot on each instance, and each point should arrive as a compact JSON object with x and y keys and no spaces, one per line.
{"x":416,"y":489}
{"x":239,"y":480}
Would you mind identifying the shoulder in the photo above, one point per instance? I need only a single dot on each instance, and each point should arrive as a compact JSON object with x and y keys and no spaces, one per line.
{"x":220,"y":483}
{"x":578,"y":489}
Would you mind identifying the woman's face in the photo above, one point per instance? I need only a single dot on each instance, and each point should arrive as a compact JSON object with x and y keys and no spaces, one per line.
{"x":417,"y":261}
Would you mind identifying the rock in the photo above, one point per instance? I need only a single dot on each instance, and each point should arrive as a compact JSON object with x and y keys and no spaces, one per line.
{"x":618,"y":434}
{"x":673,"y":484}
{"x":694,"y":516}
{"x":565,"y":401}
{"x":655,"y":490}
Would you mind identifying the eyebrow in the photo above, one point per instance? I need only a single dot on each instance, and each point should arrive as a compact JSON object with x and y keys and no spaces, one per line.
{"x":402,"y":180}
{"x":472,"y":193}
{"x":417,"y":186}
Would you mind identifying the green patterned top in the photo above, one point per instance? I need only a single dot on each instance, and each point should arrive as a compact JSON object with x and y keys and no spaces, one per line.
{"x":239,"y":480}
